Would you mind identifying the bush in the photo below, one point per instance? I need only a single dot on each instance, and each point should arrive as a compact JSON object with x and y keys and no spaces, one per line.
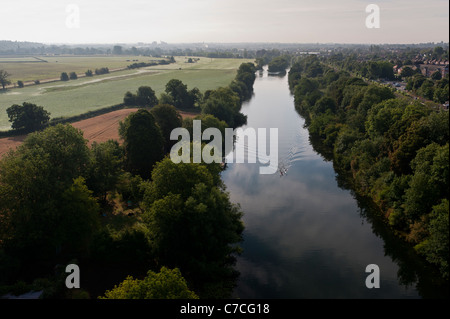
{"x":101,"y":71}
{"x":28,"y":117}
{"x":64,"y":77}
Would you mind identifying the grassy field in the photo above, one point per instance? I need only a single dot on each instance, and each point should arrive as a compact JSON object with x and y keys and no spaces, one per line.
{"x":44,"y":67}
{"x":86,"y":94}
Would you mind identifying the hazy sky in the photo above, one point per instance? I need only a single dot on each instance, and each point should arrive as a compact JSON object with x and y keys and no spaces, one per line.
{"x":302,"y":21}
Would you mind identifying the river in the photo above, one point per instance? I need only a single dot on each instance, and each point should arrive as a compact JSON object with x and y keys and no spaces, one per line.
{"x":305,"y":236}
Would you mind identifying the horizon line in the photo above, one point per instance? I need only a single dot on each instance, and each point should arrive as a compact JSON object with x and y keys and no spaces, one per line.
{"x":229,"y":42}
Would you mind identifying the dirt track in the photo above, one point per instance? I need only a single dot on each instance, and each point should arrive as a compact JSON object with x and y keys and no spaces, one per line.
{"x":99,"y":129}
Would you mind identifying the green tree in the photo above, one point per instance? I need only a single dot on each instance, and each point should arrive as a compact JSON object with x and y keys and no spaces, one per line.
{"x":407,"y":71}
{"x":323,"y":104}
{"x":279,"y":64}
{"x":435,"y":247}
{"x":28,"y":117}
{"x":167,"y":284}
{"x":195,"y":97}
{"x":192,"y":224}
{"x":73,"y":76}
{"x":420,"y":133}
{"x":240,"y":89}
{"x":4,"y":78}
{"x":179,"y":93}
{"x":246,"y":74}
{"x":380,"y":70}
{"x":207,"y":121}
{"x":430,"y":181}
{"x":224,"y":104}
{"x":168,"y":118}
{"x":437,"y":75}
{"x":78,"y":220}
{"x":64,"y":76}
{"x":165,"y":98}
{"x":146,"y":97}
{"x":305,"y":86}
{"x":143,"y":142}
{"x":441,"y":95}
{"x":105,"y":167}
{"x":383,"y":116}
{"x":314,"y":70}
{"x":41,"y":195}
{"x":374,"y":95}
{"x":426,"y":89}
{"x":129,"y":99}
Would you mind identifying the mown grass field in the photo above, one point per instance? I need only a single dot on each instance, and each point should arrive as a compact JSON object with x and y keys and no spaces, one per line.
{"x":90,"y":93}
{"x":30,"y":68}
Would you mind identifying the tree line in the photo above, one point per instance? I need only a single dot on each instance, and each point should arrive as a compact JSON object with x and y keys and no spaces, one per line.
{"x":375,"y":66}
{"x":170,"y":228}
{"x":224,"y":103}
{"x":394,"y":151}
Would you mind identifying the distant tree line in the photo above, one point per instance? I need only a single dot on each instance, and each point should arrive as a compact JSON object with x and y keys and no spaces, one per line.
{"x":146,"y":64}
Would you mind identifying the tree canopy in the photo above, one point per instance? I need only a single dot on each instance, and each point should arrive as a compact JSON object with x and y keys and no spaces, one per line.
{"x":45,"y":205}
{"x":181,"y":97}
{"x":166,"y":284}
{"x":143,"y":142}
{"x":27,"y":117}
{"x":390,"y":149}
{"x":144,"y":97}
{"x":168,"y":118}
{"x":184,"y":200}
{"x":4,"y":78}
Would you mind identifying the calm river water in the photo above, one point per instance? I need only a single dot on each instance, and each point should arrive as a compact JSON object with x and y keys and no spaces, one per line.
{"x":305,"y":236}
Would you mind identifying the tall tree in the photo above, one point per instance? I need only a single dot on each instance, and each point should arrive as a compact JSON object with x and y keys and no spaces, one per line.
{"x":4,"y":78}
{"x":143,"y":142}
{"x":168,"y":118}
{"x":224,"y":104}
{"x":179,"y":93}
{"x":28,"y":116}
{"x":44,"y":207}
{"x":105,"y":167}
{"x":193,"y":224}
{"x":146,"y":97}
{"x":64,"y":76}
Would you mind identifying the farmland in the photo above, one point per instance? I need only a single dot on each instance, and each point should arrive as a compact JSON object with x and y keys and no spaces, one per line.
{"x":96,"y":129}
{"x":74,"y":97}
{"x":44,"y":67}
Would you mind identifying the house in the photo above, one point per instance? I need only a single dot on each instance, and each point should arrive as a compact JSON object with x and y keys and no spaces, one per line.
{"x":429,"y":67}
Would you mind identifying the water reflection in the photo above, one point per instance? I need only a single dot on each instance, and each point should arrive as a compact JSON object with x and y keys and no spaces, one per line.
{"x":305,"y":237}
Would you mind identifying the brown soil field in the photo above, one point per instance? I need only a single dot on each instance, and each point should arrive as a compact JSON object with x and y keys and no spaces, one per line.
{"x":99,"y":129}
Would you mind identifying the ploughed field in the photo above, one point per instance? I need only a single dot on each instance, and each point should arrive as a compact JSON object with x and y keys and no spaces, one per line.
{"x":96,"y":129}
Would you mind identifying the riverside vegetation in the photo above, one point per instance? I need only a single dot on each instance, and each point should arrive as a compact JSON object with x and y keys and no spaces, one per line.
{"x":390,"y":149}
